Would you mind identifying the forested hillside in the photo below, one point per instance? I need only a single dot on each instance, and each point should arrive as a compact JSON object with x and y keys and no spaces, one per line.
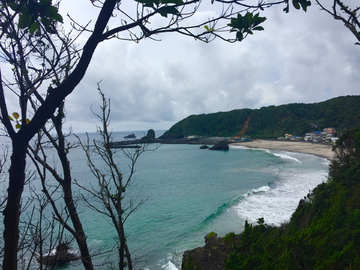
{"x":342,"y":113}
{"x":323,"y":233}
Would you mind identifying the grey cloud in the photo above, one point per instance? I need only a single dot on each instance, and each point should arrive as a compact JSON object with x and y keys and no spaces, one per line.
{"x":300,"y":57}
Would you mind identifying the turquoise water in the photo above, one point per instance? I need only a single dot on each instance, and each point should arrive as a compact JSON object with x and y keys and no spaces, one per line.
{"x":190,"y":192}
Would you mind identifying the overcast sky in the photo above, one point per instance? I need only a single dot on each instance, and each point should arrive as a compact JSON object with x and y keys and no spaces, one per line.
{"x":299,"y":58}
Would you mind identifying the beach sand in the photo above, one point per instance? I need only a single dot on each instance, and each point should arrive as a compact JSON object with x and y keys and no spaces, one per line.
{"x":317,"y":149}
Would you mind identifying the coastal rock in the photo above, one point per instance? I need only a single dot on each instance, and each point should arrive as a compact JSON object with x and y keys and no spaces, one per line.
{"x":61,"y":256}
{"x":212,"y":256}
{"x":222,"y":145}
{"x":204,"y":146}
{"x":130,"y":136}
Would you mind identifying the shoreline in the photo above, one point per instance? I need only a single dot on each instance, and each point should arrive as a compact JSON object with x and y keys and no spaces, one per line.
{"x":317,"y":149}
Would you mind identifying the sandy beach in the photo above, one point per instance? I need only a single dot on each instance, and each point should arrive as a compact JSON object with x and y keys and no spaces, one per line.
{"x":321,"y":150}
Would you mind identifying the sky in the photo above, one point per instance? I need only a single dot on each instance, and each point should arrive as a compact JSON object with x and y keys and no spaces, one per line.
{"x":299,"y":58}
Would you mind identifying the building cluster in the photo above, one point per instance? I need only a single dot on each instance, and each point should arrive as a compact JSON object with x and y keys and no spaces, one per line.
{"x":327,"y":135}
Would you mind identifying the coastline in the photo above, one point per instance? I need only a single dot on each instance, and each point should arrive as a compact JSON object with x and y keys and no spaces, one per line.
{"x":317,"y":149}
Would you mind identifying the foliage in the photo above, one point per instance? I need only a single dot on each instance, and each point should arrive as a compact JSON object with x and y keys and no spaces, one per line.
{"x":324,"y":231}
{"x":245,"y":25}
{"x":228,"y":237}
{"x":297,"y":4}
{"x":210,"y":235}
{"x":34,"y":13}
{"x":342,"y":113}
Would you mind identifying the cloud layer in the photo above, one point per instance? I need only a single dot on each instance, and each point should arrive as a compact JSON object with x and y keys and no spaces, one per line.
{"x":299,"y":58}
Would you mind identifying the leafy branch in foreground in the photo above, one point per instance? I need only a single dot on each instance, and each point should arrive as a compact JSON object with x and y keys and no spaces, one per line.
{"x":350,"y":16}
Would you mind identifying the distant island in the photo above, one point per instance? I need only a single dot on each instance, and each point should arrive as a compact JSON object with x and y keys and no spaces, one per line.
{"x":130,"y":136}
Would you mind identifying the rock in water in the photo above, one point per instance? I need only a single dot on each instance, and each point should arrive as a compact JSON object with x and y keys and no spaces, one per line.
{"x":62,"y":256}
{"x":223,"y":145}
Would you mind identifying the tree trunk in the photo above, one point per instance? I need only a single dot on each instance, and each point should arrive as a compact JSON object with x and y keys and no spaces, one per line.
{"x":12,"y":210}
{"x":69,"y":201}
{"x":80,"y":235}
{"x":20,"y":140}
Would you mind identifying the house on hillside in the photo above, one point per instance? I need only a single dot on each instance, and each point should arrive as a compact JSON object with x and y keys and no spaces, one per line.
{"x":310,"y":136}
{"x":330,"y":130}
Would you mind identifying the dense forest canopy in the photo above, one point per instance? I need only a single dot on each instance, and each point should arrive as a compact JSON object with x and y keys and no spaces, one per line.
{"x":341,"y":113}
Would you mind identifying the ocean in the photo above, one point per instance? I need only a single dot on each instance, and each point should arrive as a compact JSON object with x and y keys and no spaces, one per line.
{"x":190,"y":192}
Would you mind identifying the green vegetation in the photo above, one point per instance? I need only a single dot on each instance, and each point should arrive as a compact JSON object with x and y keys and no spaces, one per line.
{"x":342,"y":113}
{"x":229,"y":237}
{"x":210,"y":235}
{"x":323,"y":232}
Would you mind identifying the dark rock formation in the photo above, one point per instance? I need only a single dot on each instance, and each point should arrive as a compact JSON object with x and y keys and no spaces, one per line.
{"x":62,"y":256}
{"x":151,"y":134}
{"x":213,"y":255}
{"x":223,"y":145}
{"x":130,"y":136}
{"x":167,"y":136}
{"x":204,"y":146}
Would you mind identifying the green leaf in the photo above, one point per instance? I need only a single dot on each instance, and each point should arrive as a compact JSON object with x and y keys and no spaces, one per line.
{"x":207,"y":28}
{"x":24,"y":20}
{"x":58,"y":17}
{"x":33,"y":27}
{"x":176,"y":2}
{"x":51,"y":11}
{"x":146,"y":3}
{"x":296,"y":4}
{"x":27,"y":121}
{"x":11,"y":119}
{"x":239,"y":36}
{"x":258,"y":28}
{"x":16,"y":115}
{"x":17,"y":126}
{"x":164,"y":11}
{"x":305,"y":4}
{"x":13,"y":6}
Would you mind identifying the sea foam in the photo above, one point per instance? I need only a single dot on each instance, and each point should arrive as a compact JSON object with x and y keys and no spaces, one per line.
{"x":277,"y":202}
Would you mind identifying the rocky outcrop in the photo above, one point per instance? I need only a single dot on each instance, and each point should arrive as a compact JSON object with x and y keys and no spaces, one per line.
{"x":130,"y":136}
{"x":223,"y":145}
{"x":61,"y":256}
{"x":204,"y":146}
{"x":212,"y":256}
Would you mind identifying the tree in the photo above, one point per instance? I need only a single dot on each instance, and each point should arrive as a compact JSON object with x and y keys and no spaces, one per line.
{"x":350,"y":16}
{"x":47,"y":66}
{"x":63,"y":178}
{"x":112,"y":183}
{"x":345,"y":166}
